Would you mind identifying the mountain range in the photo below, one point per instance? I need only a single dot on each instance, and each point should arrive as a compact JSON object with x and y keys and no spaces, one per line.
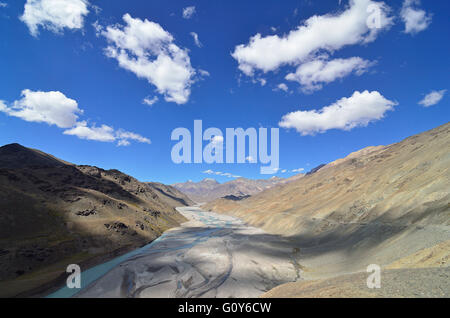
{"x":209,"y":189}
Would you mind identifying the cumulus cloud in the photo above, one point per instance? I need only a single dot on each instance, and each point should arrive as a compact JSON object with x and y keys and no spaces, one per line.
{"x":105,"y":133}
{"x":146,"y":49}
{"x":347,"y":113}
{"x":53,"y":108}
{"x":54,"y":15}
{"x":313,"y":74}
{"x":81,"y":130}
{"x":150,"y":101}
{"x":196,"y":40}
{"x":188,"y":12}
{"x":415,"y":19}
{"x":327,"y":33}
{"x":432,"y":98}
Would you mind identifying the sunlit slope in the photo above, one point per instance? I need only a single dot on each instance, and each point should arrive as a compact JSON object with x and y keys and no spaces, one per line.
{"x":377,"y":205}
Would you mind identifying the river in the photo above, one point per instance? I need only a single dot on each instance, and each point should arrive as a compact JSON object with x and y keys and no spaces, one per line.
{"x":211,"y":255}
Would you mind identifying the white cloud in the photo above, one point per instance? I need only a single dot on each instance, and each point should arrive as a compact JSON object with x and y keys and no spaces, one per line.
{"x":272,"y":171}
{"x":313,"y":74}
{"x":54,"y":15}
{"x":219,"y":173}
{"x":196,"y":40}
{"x":3,"y":5}
{"x":105,"y":133}
{"x":433,"y":98}
{"x":123,"y":137}
{"x":328,"y":32}
{"x":283,"y":171}
{"x":98,"y":28}
{"x":203,"y":72}
{"x":282,"y":87}
{"x":96,"y":9}
{"x":416,"y":20}
{"x":150,"y":101}
{"x":347,"y":113}
{"x":147,"y":50}
{"x":81,"y":130}
{"x":53,"y":108}
{"x":188,"y":12}
{"x":298,"y":170}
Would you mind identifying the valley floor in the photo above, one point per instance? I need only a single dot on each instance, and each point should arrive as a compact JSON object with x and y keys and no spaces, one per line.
{"x":217,"y":255}
{"x":212,"y":255}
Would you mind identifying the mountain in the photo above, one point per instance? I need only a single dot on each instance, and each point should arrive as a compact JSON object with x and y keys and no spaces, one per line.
{"x":386,"y":205}
{"x":54,"y":213}
{"x":209,"y":189}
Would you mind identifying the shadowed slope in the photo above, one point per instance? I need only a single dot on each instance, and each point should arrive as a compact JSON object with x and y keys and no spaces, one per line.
{"x":53,"y":213}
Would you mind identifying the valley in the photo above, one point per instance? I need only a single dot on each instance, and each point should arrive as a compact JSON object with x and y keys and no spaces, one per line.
{"x":311,"y":235}
{"x":211,"y":255}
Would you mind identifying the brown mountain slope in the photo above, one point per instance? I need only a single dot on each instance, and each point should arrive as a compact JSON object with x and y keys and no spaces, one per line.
{"x":53,"y":213}
{"x":378,"y":205}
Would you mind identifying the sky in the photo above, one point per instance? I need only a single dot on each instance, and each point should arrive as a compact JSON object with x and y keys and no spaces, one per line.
{"x":106,"y":82}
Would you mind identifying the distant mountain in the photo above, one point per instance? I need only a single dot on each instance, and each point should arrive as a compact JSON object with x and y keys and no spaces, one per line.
{"x":54,"y":213}
{"x":197,"y":191}
{"x":209,"y":189}
{"x":385,"y":205}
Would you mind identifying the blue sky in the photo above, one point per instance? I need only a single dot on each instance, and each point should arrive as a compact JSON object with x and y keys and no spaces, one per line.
{"x":402,"y":62}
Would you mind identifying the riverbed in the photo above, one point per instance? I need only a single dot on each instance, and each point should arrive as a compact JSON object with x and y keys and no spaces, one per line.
{"x":211,"y":255}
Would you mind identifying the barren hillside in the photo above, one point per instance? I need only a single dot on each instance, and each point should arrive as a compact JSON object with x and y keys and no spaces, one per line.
{"x":53,"y":213}
{"x":380,"y":205}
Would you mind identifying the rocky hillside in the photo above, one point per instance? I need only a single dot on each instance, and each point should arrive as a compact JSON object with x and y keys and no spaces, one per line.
{"x":380,"y":205}
{"x":209,"y":189}
{"x":54,"y":213}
